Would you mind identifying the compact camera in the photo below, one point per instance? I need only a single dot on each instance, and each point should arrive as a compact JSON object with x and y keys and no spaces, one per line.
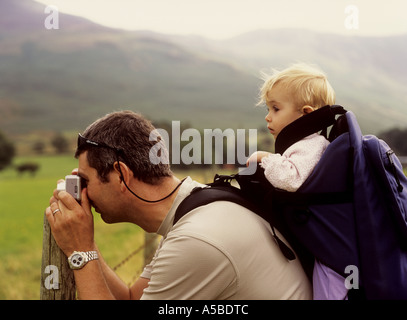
{"x":72,"y":185}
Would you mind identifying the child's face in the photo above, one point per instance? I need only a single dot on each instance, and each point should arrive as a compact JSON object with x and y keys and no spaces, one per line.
{"x":281,"y":110}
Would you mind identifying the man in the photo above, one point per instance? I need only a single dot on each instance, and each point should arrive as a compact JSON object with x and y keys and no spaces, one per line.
{"x":217,"y":251}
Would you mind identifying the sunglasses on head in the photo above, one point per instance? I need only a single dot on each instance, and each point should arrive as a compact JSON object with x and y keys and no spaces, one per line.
{"x":85,"y":142}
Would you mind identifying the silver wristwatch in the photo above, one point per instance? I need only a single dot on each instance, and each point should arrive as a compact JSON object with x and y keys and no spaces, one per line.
{"x":78,"y":259}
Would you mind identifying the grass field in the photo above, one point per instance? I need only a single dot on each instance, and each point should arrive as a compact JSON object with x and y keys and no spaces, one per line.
{"x":23,"y":200}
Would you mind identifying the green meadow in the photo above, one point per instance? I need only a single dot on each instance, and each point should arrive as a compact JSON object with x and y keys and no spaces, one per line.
{"x":23,"y":200}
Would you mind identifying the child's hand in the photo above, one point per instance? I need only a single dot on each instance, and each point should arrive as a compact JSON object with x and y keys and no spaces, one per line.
{"x":252,"y":158}
{"x":257,"y":156}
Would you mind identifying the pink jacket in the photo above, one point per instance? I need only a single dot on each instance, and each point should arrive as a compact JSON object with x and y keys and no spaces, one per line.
{"x":289,"y":170}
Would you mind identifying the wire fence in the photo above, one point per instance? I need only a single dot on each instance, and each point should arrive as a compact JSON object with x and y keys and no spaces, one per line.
{"x":147,"y":249}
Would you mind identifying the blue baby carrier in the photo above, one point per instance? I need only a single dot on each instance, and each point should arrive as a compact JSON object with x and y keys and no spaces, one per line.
{"x":350,"y":214}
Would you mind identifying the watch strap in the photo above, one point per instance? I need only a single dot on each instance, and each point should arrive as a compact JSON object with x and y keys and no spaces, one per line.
{"x":92,"y":255}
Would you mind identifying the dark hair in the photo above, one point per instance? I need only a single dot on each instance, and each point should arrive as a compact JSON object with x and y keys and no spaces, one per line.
{"x":130,"y":132}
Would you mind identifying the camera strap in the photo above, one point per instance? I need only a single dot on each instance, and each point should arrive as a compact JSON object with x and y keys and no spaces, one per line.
{"x":142,"y":199}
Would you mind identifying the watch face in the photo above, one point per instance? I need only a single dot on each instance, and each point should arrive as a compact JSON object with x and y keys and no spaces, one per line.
{"x":77,"y":260}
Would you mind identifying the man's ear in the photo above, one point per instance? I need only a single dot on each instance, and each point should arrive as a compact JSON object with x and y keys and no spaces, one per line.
{"x":122,"y":171}
{"x":307,"y":109}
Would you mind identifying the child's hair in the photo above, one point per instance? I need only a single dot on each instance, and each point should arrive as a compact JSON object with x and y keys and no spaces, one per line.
{"x":307,"y":85}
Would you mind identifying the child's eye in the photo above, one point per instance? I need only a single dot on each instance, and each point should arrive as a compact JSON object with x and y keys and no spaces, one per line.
{"x":275,"y":108}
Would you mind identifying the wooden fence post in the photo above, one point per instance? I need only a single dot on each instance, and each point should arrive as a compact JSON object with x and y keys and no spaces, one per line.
{"x":57,"y":279}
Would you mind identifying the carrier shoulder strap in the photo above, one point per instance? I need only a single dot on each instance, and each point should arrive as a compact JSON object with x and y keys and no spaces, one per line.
{"x":318,"y":120}
{"x":223,"y":191}
{"x":201,"y":196}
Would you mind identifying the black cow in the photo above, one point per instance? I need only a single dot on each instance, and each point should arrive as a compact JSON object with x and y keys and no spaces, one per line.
{"x":27,"y":167}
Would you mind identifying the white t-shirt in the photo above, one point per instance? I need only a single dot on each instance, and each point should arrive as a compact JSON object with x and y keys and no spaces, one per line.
{"x":221,"y":251}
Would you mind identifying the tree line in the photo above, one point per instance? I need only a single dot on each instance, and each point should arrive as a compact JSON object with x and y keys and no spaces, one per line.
{"x":396,"y":138}
{"x":59,"y":143}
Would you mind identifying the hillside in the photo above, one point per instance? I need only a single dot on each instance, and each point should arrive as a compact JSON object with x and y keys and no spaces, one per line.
{"x":64,"y":79}
{"x":368,"y":74}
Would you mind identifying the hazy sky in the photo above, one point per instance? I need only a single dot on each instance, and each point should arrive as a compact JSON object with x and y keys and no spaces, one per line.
{"x":226,"y":18}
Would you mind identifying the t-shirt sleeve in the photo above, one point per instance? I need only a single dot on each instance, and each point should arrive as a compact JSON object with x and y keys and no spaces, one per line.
{"x":149,"y":267}
{"x":186,"y":267}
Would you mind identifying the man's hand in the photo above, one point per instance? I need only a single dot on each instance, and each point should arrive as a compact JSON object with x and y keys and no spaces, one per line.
{"x":71,"y":223}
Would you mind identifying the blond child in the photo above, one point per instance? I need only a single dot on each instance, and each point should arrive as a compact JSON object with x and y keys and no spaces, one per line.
{"x":289,"y":95}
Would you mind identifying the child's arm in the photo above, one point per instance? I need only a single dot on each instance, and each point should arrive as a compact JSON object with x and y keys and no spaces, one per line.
{"x":290,"y":170}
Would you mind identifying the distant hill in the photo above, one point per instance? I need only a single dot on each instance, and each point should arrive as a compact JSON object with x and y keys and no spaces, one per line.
{"x":64,"y":79}
{"x":368,"y":73}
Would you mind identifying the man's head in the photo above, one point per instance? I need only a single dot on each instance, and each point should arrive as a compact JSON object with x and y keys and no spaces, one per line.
{"x":127,"y":135}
